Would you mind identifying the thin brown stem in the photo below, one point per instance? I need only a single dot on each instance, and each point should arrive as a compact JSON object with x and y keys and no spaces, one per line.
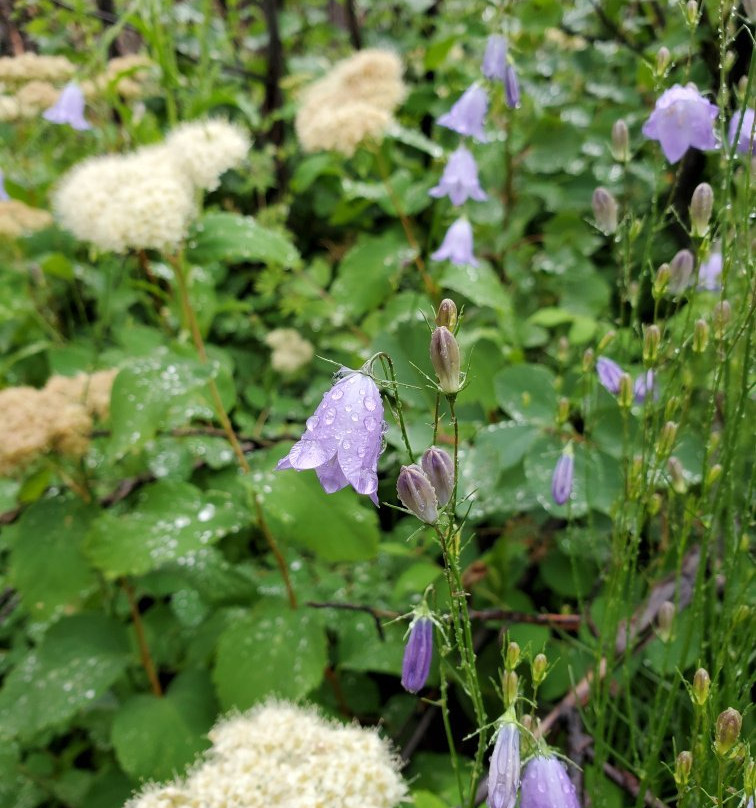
{"x":144,"y":650}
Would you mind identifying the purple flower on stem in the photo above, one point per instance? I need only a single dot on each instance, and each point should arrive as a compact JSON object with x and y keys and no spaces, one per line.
{"x":545,"y":784}
{"x":3,"y":193}
{"x":710,"y":273}
{"x":416,"y":493}
{"x":457,"y":245}
{"x":644,"y":385}
{"x":460,"y":179}
{"x":682,"y":118}
{"x":439,"y":469}
{"x":512,"y":87}
{"x":467,"y":115}
{"x":561,"y":481}
{"x":504,"y":771}
{"x":69,"y":108}
{"x":747,"y":138}
{"x":418,"y":654}
{"x":495,"y":58}
{"x":609,"y":373}
{"x":344,"y":437}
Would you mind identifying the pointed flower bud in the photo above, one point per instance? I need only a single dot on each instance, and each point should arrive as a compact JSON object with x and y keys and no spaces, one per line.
{"x":418,"y":654}
{"x":720,"y":317}
{"x":609,"y":373}
{"x":700,"y":336}
{"x":561,"y":480}
{"x":683,"y":765}
{"x":457,"y":245}
{"x":620,"y":141}
{"x":447,"y":314}
{"x":714,"y":473}
{"x":539,"y":669}
{"x":439,"y":469}
{"x":676,"y":475}
{"x":625,"y":394}
{"x":604,"y":211}
{"x":663,"y":58}
{"x":667,"y":439}
{"x":504,"y":768}
{"x":512,"y":657}
{"x":416,"y":493}
{"x":691,"y":13}
{"x":661,"y":281}
{"x":563,"y":410}
{"x":701,"y":206}
{"x":511,"y":87}
{"x":701,"y":687}
{"x":680,"y":271}
{"x":444,"y":355}
{"x":495,"y":58}
{"x":468,"y":113}
{"x":727,"y":731}
{"x":511,"y":683}
{"x":545,"y":782}
{"x":651,"y":340}
{"x":666,"y":620}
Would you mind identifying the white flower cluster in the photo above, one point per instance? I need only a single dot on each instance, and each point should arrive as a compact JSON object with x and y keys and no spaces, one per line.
{"x":282,"y":755}
{"x":290,"y":350}
{"x":146,"y":199}
{"x":33,"y":66}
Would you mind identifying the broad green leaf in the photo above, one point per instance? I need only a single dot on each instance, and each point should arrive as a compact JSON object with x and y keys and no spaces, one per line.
{"x":271,"y":650}
{"x":479,"y":285}
{"x":79,"y":658}
{"x":360,"y":647}
{"x":235,"y":239}
{"x":527,"y":393}
{"x":169,"y":521}
{"x":156,"y":737}
{"x":506,"y":443}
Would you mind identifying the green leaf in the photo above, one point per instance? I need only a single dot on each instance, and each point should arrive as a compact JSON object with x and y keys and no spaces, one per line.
{"x":527,"y":393}
{"x":290,"y":642}
{"x":77,"y":661}
{"x":360,"y":648}
{"x":505,"y":443}
{"x":169,"y":520}
{"x":479,"y":285}
{"x":154,"y":738}
{"x":234,"y":239}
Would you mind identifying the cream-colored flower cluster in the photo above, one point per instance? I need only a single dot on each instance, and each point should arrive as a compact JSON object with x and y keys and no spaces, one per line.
{"x":354,"y":101}
{"x":17,"y":218}
{"x":128,"y":75}
{"x":35,"y":67}
{"x":57,"y":418}
{"x":146,"y":199}
{"x":279,"y":754}
{"x":290,"y":350}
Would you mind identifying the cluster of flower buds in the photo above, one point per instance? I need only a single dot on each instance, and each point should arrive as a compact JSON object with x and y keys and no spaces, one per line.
{"x":615,"y":381}
{"x":426,"y":487}
{"x":444,"y":350}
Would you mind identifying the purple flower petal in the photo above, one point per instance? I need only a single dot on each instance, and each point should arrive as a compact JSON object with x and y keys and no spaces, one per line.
{"x":467,"y":115}
{"x":69,"y":108}
{"x":545,"y":784}
{"x":460,"y":179}
{"x":418,"y":654}
{"x":609,"y":373}
{"x":457,"y":245}
{"x":710,"y":273}
{"x":747,"y":139}
{"x":561,"y":481}
{"x":644,"y":385}
{"x":504,"y":771}
{"x":495,"y":58}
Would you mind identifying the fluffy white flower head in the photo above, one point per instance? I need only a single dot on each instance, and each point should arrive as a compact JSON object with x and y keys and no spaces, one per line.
{"x":290,"y":350}
{"x":205,"y":149}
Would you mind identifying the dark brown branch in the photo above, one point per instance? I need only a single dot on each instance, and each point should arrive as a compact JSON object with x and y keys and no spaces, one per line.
{"x":144,"y":650}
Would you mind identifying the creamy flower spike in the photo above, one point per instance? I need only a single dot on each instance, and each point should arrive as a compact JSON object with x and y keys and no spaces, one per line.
{"x":344,"y":437}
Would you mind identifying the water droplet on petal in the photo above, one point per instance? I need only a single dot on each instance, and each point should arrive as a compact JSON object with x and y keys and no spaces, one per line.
{"x":312,"y":423}
{"x":346,"y":445}
{"x":370,"y":403}
{"x":330,"y":416}
{"x":336,"y":393}
{"x":370,"y":423}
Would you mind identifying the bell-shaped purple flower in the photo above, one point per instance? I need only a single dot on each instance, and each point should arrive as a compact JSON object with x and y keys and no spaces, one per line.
{"x":467,"y":115}
{"x":561,"y":480}
{"x":643,"y":386}
{"x":710,"y":273}
{"x":511,"y":88}
{"x":416,"y":493}
{"x":504,"y":770}
{"x":460,"y":179}
{"x":3,"y":193}
{"x":747,"y":138}
{"x":69,"y":108}
{"x":418,"y":654}
{"x":682,"y":118}
{"x":545,"y":784}
{"x":609,"y":373}
{"x":457,"y":245}
{"x":439,"y":469}
{"x":344,"y":437}
{"x":495,"y":58}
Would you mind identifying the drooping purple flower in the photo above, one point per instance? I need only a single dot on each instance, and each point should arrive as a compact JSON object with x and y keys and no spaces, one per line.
{"x":457,"y":245}
{"x":416,"y":493}
{"x":495,"y":58}
{"x":747,"y":138}
{"x":710,"y":273}
{"x":418,"y":654}
{"x":467,"y":115}
{"x":512,"y":87}
{"x":439,"y":468}
{"x":545,"y":784}
{"x":561,"y":481}
{"x":344,"y":437}
{"x":3,"y":193}
{"x":460,"y":179}
{"x":682,"y":118}
{"x":504,"y":770}
{"x":643,"y":386}
{"x":609,"y":373}
{"x":69,"y":108}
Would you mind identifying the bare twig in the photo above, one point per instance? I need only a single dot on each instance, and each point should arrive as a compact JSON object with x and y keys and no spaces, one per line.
{"x":144,"y":650}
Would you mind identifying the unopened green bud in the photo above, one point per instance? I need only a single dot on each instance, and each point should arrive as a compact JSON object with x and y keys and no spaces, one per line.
{"x":691,"y":13}
{"x":666,"y":620}
{"x":742,"y":615}
{"x":447,"y":314}
{"x":749,"y":779}
{"x":636,"y":228}
{"x":588,"y":360}
{"x":636,"y":478}
{"x":666,"y":439}
{"x":563,"y":350}
{"x":663,"y":58}
{"x":661,"y":281}
{"x":720,"y":317}
{"x":563,"y":410}
{"x":713,"y":474}
{"x":671,"y":408}
{"x":701,"y":206}
{"x":727,"y":731}
{"x":510,"y":680}
{"x":701,"y":687}
{"x":444,"y":354}
{"x":606,"y":340}
{"x":729,"y":60}
{"x":654,"y":504}
{"x":700,"y":335}
{"x":683,"y":765}
{"x":605,"y":211}
{"x":676,"y":475}
{"x":620,"y":141}
{"x":626,"y":394}
{"x":651,"y":340}
{"x":512,"y":657}
{"x":538,"y":669}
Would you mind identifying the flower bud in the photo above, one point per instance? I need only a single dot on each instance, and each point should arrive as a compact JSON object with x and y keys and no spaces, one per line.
{"x":701,"y":687}
{"x":727,"y":731}
{"x":538,"y":669}
{"x":666,"y":620}
{"x":701,"y":205}
{"x":729,"y":60}
{"x":513,"y":656}
{"x":418,"y":654}
{"x":511,"y":87}
{"x":700,"y":335}
{"x":654,"y":504}
{"x":588,"y":357}
{"x":606,"y":340}
{"x":671,"y":407}
{"x":439,"y":468}
{"x":620,"y":141}
{"x":563,"y":350}
{"x":510,"y":682}
{"x":683,"y":765}
{"x":563,"y":410}
{"x":651,"y":340}
{"x":691,"y":13}
{"x":720,"y":317}
{"x":676,"y":475}
{"x":447,"y":314}
{"x":504,"y":771}
{"x":749,"y":778}
{"x":666,"y":439}
{"x":416,"y":493}
{"x":605,"y":211}
{"x":661,"y":281}
{"x":561,"y":480}
{"x":681,"y":271}
{"x":713,"y":474}
{"x":626,"y":393}
{"x":636,"y":478}
{"x":663,"y":58}
{"x":444,"y":354}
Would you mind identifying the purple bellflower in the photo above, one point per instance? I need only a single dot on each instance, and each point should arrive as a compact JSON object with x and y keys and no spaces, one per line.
{"x":710,"y":273}
{"x":643,"y":385}
{"x":416,"y":493}
{"x":682,"y":118}
{"x":418,"y":654}
{"x":439,"y":469}
{"x":512,"y":88}
{"x":609,"y":373}
{"x":747,"y":139}
{"x":344,"y":437}
{"x":467,"y":115}
{"x":69,"y":108}
{"x":3,"y":193}
{"x":495,"y":58}
{"x":561,"y":481}
{"x":504,"y":770}
{"x":545,"y":784}
{"x":460,"y":179}
{"x":457,"y":245}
